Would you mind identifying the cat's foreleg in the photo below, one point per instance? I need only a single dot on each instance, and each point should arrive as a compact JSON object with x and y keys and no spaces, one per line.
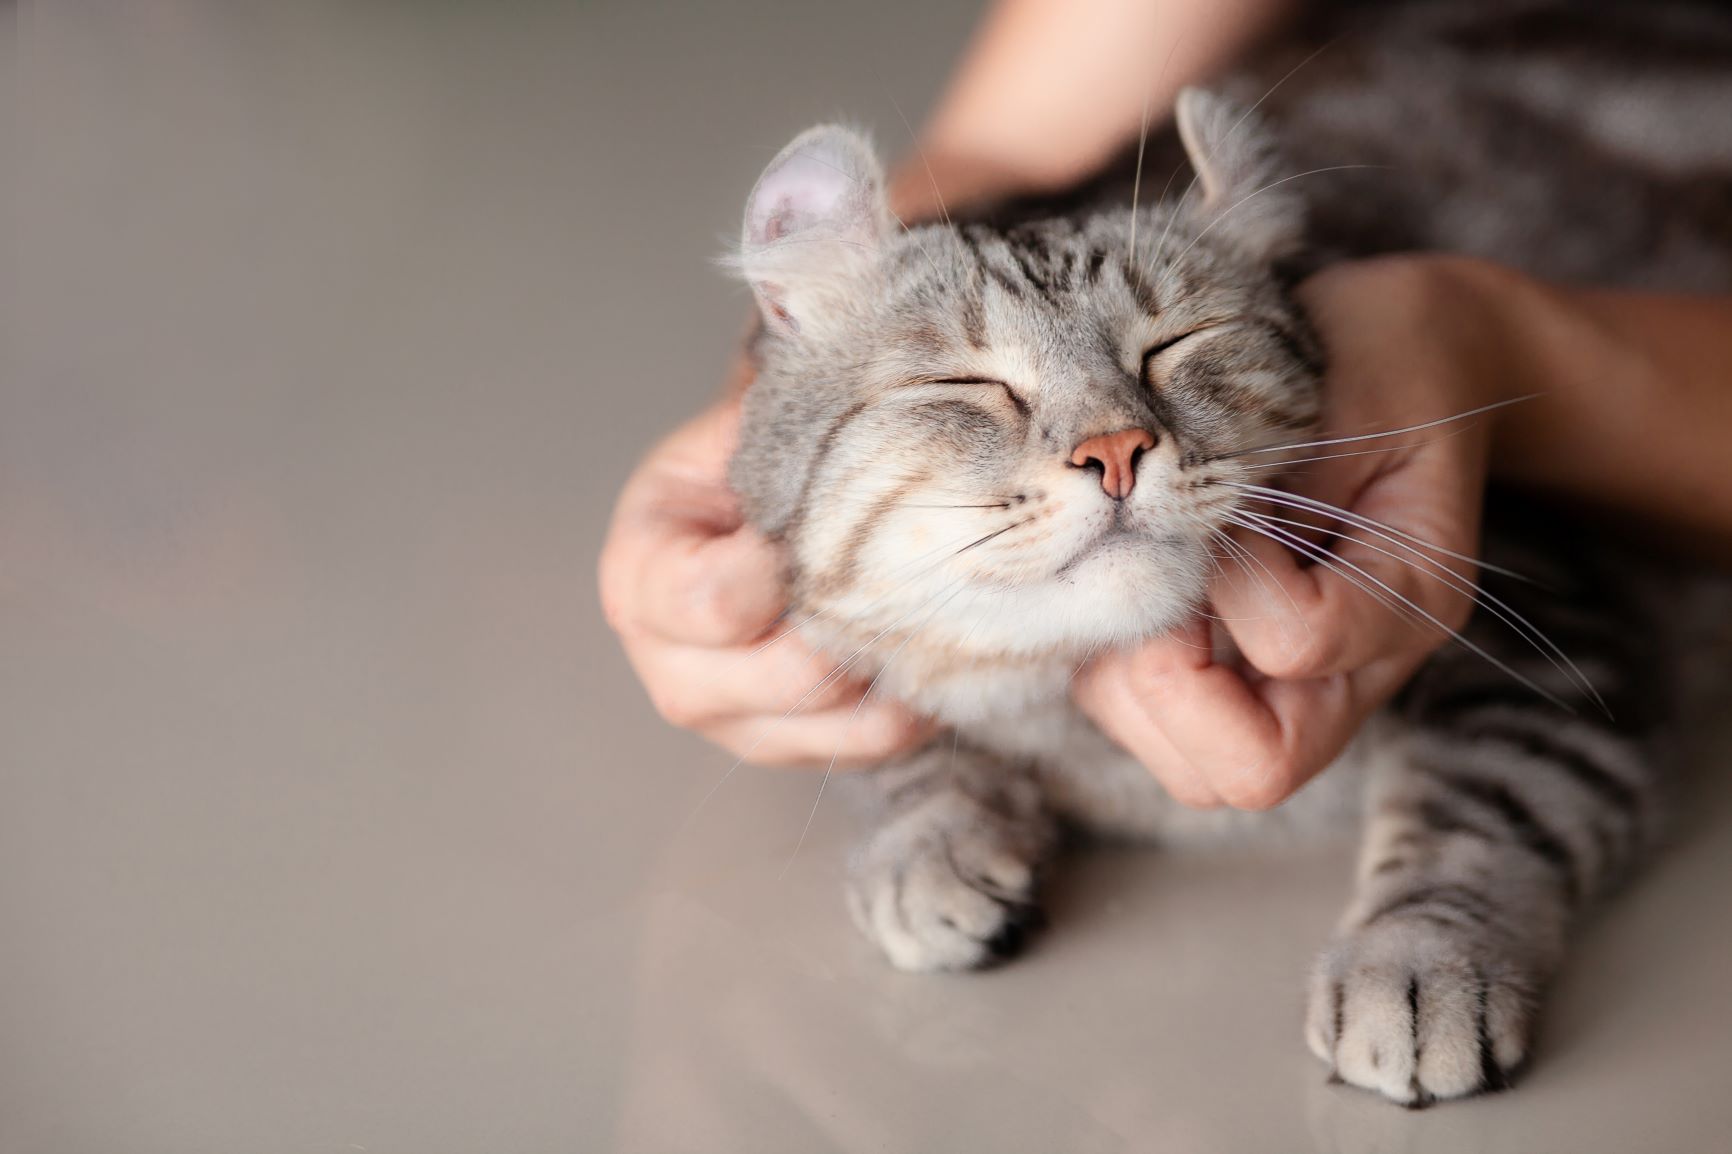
{"x":1482,"y":844}
{"x":945,"y":879}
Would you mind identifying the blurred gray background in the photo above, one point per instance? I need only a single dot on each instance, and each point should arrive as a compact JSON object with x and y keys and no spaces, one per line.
{"x":330,"y":816}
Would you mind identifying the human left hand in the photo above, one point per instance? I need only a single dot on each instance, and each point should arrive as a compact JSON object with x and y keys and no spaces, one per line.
{"x":1409,"y":340}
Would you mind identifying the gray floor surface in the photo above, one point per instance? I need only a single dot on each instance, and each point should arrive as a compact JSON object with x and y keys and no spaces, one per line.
{"x":330,"y":817}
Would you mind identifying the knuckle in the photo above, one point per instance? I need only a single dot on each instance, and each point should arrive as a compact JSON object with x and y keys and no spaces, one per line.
{"x":815,"y":693}
{"x":1292,"y":653}
{"x":677,"y":706}
{"x":713,"y":611}
{"x":882,"y":733}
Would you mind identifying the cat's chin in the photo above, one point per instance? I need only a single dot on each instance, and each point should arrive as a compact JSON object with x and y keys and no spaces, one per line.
{"x":1126,"y":590}
{"x":1015,"y":651}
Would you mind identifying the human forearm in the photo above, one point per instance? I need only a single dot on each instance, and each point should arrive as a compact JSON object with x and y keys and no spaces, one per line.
{"x":1050,"y":88}
{"x":1635,"y":411}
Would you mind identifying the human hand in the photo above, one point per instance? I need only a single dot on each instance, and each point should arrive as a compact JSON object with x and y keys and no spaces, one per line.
{"x":696,"y":597}
{"x":1309,"y":606}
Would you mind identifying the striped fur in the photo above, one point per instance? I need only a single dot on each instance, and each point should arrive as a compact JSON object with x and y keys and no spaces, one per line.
{"x":908,"y":439}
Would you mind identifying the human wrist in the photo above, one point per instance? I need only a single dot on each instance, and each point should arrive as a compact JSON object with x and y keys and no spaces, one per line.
{"x":1545,"y":343}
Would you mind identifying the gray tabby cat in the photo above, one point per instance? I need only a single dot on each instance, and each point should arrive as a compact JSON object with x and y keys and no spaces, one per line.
{"x":991,"y":450}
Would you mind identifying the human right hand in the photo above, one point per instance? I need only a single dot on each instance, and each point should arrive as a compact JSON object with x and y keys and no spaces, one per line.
{"x":696,"y":596}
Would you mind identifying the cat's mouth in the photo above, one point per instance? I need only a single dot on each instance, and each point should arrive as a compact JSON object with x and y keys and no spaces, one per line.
{"x":1123,"y":531}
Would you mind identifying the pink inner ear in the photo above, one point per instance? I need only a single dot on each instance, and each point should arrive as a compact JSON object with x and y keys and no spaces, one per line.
{"x":805,"y":189}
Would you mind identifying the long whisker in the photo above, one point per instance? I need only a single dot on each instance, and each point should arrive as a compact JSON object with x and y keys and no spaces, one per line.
{"x":807,"y":620}
{"x":1338,"y":563}
{"x":844,"y":666}
{"x":1369,"y":524}
{"x":943,"y":212}
{"x":1142,"y":147}
{"x":1228,"y":135}
{"x":1239,"y":553}
{"x":919,"y":243}
{"x":995,"y":533}
{"x":1224,"y":213}
{"x":1386,"y":433}
{"x":1356,"y":452}
{"x":1318,"y":51}
{"x":1088,"y":655}
{"x":831,"y":768}
{"x":820,"y":613}
{"x":1486,"y":600}
{"x":1328,"y":560}
{"x":994,"y":505}
{"x":1257,"y":561}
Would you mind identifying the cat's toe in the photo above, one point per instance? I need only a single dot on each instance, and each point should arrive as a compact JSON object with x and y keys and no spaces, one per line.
{"x":952,"y":899}
{"x":1419,"y":1012}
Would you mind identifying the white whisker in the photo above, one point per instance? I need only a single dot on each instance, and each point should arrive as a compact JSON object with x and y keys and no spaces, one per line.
{"x":1224,"y":213}
{"x":864,"y":697}
{"x":1387,"y":433}
{"x":807,"y":620}
{"x":1142,"y":147}
{"x":943,"y":212}
{"x":1228,"y":135}
{"x":1369,"y":524}
{"x":1356,"y":452}
{"x":1476,"y":593}
{"x":1324,"y":557}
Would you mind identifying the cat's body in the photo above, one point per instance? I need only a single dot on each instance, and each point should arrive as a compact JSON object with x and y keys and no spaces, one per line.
{"x":925,"y":436}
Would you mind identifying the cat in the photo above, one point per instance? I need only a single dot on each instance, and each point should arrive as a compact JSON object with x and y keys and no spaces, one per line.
{"x":991,"y":448}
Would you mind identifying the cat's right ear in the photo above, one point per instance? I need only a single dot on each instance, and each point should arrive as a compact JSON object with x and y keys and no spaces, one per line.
{"x":814,"y":225}
{"x":1246,"y":199}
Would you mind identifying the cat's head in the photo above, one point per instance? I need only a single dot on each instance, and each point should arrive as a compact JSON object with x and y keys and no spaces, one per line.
{"x":1016,"y":442}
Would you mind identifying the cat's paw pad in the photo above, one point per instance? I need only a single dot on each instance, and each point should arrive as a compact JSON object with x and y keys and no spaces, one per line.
{"x":946,"y":895}
{"x":1419,"y":1012}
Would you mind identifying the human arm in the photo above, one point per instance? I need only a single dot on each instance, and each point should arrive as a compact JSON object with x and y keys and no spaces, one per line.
{"x":1047,"y":92}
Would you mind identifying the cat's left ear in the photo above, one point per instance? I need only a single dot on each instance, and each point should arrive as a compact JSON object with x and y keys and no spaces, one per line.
{"x":1240,"y":175}
{"x":814,"y":224}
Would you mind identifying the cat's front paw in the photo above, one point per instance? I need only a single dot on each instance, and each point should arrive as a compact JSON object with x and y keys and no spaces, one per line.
{"x":949,"y":886}
{"x":1420,"y":1011}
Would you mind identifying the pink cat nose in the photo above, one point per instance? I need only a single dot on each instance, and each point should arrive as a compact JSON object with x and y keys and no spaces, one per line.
{"x":1115,"y":454}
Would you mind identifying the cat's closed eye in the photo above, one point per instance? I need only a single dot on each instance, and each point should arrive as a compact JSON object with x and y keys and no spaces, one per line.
{"x":989,"y":382}
{"x":1171,"y":342}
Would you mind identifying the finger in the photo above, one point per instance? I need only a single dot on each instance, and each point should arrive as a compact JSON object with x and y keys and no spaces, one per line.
{"x":693,"y":686}
{"x":1310,"y":723}
{"x":706,"y":590}
{"x":1329,"y":603}
{"x":1109,"y":693}
{"x":1293,"y":620}
{"x":1256,"y":740}
{"x":1252,"y":746}
{"x":878,"y":731}
{"x":678,"y":562}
